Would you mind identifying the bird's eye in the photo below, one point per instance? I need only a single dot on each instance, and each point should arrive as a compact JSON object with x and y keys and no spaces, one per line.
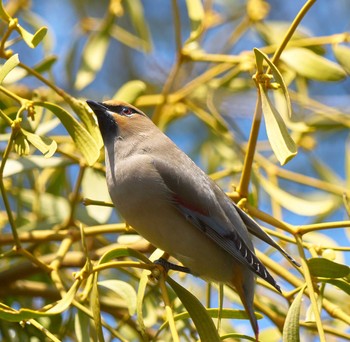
{"x":127,"y":111}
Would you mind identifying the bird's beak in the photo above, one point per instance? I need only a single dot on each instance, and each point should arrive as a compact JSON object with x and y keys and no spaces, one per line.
{"x":97,"y":107}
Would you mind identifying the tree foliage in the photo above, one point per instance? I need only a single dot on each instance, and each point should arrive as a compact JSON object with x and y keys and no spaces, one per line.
{"x":68,"y":271}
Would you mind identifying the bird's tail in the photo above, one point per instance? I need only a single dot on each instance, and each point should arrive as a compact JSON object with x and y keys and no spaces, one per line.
{"x":244,"y":282}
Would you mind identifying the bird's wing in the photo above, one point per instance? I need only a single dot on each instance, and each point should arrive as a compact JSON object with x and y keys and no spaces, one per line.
{"x":256,"y":230}
{"x":197,"y":200}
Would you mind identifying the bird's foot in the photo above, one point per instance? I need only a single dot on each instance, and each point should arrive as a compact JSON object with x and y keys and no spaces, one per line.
{"x":170,"y":266}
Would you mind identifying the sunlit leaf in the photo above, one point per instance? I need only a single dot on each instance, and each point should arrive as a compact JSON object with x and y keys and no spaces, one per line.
{"x":306,"y":206}
{"x":123,"y":290}
{"x":341,"y":284}
{"x":83,"y":140}
{"x":277,"y":78}
{"x":86,"y":115}
{"x":204,"y":324}
{"x":45,"y":145}
{"x":130,"y":91}
{"x":122,"y":252}
{"x":81,"y":326}
{"x":32,"y":40}
{"x":94,"y":54}
{"x":137,"y":16}
{"x":93,"y":57}
{"x":342,"y":54}
{"x":45,"y":64}
{"x":291,"y":331}
{"x":321,"y":267}
{"x":13,"y":315}
{"x":310,"y":65}
{"x":281,"y":142}
{"x":9,"y":65}
{"x":94,"y":186}
{"x":196,"y":15}
{"x":95,"y":308}
{"x":24,"y":164}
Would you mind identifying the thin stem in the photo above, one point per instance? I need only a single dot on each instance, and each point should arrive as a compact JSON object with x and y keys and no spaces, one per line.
{"x":243,"y":185}
{"x":179,"y":59}
{"x":312,"y":294}
{"x":291,"y":31}
{"x":3,"y":191}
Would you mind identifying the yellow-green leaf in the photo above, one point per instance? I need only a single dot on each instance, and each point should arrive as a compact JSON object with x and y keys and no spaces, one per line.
{"x":83,"y":140}
{"x":281,"y":142}
{"x":45,"y":145}
{"x":45,"y":64}
{"x":9,"y":65}
{"x":277,"y":77}
{"x":322,"y":267}
{"x":130,"y":91}
{"x":123,"y":290}
{"x":310,"y":65}
{"x":12,"y":315}
{"x":137,"y":16}
{"x":95,"y":308}
{"x":204,"y":324}
{"x":93,"y":57}
{"x":342,"y":54}
{"x":296,"y":204}
{"x":24,"y":164}
{"x":94,"y":53}
{"x":86,"y":115}
{"x":32,"y":40}
{"x":291,"y":324}
{"x":94,"y":186}
{"x":196,"y":15}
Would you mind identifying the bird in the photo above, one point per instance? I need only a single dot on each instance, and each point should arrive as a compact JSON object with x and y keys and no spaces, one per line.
{"x":174,"y":204}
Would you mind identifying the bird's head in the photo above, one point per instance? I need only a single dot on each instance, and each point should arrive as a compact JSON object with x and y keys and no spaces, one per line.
{"x":118,"y":118}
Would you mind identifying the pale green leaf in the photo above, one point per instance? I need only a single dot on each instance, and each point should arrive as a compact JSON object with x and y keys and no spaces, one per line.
{"x":342,"y":54}
{"x":310,"y":65}
{"x":45,"y":64}
{"x":95,"y":308}
{"x":291,"y":324}
{"x":45,"y":145}
{"x":94,"y":186}
{"x":204,"y":324}
{"x":32,"y":40}
{"x":87,"y":116}
{"x":130,"y":91}
{"x":281,"y":142}
{"x":137,"y":16}
{"x":259,"y":60}
{"x":81,"y":326}
{"x":322,"y":267}
{"x":83,"y":140}
{"x":196,"y":15}
{"x":122,"y":252}
{"x":341,"y":284}
{"x":307,"y":206}
{"x":9,"y":65}
{"x":278,"y":78}
{"x":13,"y":315}
{"x":123,"y":290}
{"x":13,"y":167}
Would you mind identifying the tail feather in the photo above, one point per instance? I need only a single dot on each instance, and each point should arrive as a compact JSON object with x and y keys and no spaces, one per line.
{"x":244,"y":282}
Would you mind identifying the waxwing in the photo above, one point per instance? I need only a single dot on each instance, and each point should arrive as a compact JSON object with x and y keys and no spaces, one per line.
{"x":173,"y":204}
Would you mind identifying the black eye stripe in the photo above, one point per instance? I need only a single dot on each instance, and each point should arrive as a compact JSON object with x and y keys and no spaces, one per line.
{"x":121,"y":110}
